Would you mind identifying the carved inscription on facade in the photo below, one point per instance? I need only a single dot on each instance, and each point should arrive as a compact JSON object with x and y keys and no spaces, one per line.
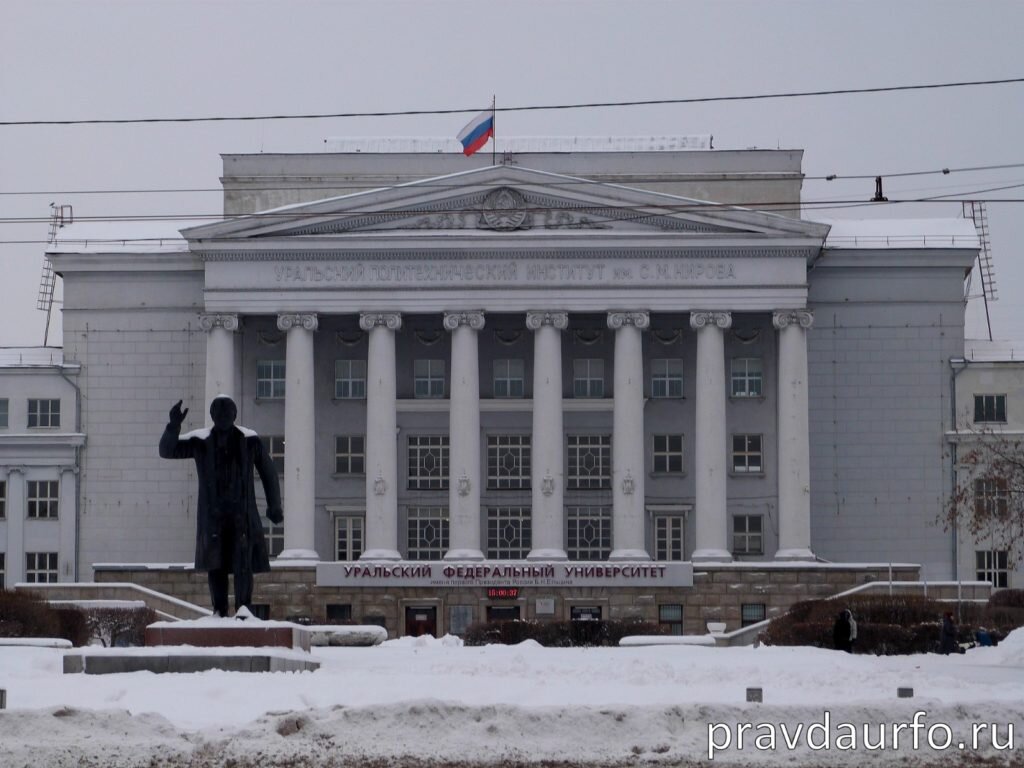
{"x":519,"y":272}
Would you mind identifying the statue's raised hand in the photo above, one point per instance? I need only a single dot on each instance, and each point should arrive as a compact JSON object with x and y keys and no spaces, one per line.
{"x":276,"y":516}
{"x":177,"y":415}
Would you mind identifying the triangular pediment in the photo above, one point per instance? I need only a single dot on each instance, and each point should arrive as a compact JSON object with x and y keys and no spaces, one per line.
{"x":506,"y":199}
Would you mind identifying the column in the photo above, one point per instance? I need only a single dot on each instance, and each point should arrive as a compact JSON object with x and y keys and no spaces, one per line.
{"x":464,"y":438}
{"x":710,"y":447}
{"x":299,"y":438}
{"x":547,"y":479}
{"x":67,"y":518}
{"x":381,"y":437}
{"x":793,"y":435}
{"x":628,"y":437}
{"x":17,"y":509}
{"x":220,"y":357}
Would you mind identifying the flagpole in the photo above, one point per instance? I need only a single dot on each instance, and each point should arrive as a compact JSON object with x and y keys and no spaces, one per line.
{"x":494,"y":133}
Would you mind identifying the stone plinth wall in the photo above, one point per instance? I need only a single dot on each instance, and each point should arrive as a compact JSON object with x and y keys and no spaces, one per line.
{"x":718,"y":594}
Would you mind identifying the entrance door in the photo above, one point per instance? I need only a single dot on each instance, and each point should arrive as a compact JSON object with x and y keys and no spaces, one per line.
{"x":421,"y":621}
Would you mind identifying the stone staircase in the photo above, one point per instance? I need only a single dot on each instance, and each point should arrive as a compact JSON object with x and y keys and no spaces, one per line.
{"x":166,"y":607}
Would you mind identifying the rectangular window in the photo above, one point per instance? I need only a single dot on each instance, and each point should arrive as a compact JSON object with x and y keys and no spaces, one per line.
{"x":993,"y":565}
{"x":990,"y":408}
{"x":348,"y":537}
{"x":508,"y":378}
{"x":746,"y":454}
{"x":270,"y":379}
{"x":428,"y":462}
{"x":41,"y":567}
{"x":274,"y":446}
{"x":42,"y":499}
{"x":668,"y":454}
{"x":588,"y":377}
{"x":991,"y":497}
{"x":671,"y":617}
{"x":668,"y":537}
{"x":752,"y":613}
{"x":508,"y":462}
{"x":3,"y":413}
{"x":339,"y":613}
{"x":43,"y":413}
{"x":3,"y":570}
{"x":428,"y":378}
{"x":590,"y":533}
{"x":590,"y":461}
{"x":3,"y":499}
{"x":747,"y":378}
{"x":747,"y":538}
{"x":274,"y":534}
{"x":349,"y":455}
{"x":508,"y":533}
{"x":349,"y":379}
{"x":667,"y":377}
{"x":428,"y":533}
{"x":459,"y":618}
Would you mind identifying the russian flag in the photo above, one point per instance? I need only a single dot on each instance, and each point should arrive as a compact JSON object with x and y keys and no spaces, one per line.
{"x":476,"y":132}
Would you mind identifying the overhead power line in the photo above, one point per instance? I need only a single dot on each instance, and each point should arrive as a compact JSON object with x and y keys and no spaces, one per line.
{"x":527,"y":108}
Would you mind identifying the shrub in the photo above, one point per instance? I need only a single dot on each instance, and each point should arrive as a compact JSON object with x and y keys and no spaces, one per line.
{"x":558,"y":634}
{"x":25,"y":615}
{"x":118,"y":626}
{"x":1010,"y":598}
{"x":73,"y":626}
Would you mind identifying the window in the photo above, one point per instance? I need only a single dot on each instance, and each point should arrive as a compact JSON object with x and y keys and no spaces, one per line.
{"x":590,"y":533}
{"x":339,"y":613}
{"x":274,"y":445}
{"x":42,"y":499}
{"x":428,"y":462}
{"x":667,"y":377}
{"x":428,"y":378}
{"x":270,"y":379}
{"x":751,"y":613}
{"x":588,"y":378}
{"x":428,"y":533}
{"x":992,"y":565}
{"x":671,"y":616}
{"x":508,"y":378}
{"x":668,"y":537}
{"x":668,"y":454}
{"x":508,"y":461}
{"x":349,"y":455}
{"x":3,"y":499}
{"x":991,"y":497}
{"x":349,"y":379}
{"x":3,"y":570}
{"x":508,"y":533}
{"x":459,"y":618}
{"x":274,"y":534}
{"x":43,"y":413}
{"x":747,"y":377}
{"x":747,"y":536}
{"x":348,"y":537}
{"x":986,"y":408}
{"x":41,"y":567}
{"x":3,"y":413}
{"x":746,"y":454}
{"x":590,"y":461}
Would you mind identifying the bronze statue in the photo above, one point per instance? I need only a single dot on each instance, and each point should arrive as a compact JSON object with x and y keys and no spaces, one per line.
{"x":229,"y":534}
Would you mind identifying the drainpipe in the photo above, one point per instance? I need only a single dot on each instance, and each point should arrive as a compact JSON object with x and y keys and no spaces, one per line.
{"x":957,"y":365}
{"x":78,"y":467}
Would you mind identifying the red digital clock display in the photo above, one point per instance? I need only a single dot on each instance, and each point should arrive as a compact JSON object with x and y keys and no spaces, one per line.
{"x":503,"y":593}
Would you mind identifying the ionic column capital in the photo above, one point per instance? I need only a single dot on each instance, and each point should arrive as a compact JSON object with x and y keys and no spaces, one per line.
{"x":390,"y":320}
{"x":721,"y":320}
{"x":784,"y":318}
{"x":307,"y":320}
{"x":472,"y":318}
{"x":556,"y":319}
{"x":640,"y":320}
{"x":209,"y":320}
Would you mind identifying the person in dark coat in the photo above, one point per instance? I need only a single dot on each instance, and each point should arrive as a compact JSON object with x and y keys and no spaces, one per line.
{"x":947,"y":635}
{"x":229,"y":533}
{"x":844,"y":631}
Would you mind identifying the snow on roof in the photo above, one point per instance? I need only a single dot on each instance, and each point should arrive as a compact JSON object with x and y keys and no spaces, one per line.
{"x":22,"y":357}
{"x":127,"y":236}
{"x":998,"y":351}
{"x":443,"y":144}
{"x":900,"y":233}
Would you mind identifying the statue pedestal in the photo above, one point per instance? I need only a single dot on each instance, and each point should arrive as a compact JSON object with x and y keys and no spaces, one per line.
{"x":229,"y":633}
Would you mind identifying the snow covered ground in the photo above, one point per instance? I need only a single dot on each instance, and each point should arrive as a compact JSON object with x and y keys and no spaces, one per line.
{"x":429,"y":701}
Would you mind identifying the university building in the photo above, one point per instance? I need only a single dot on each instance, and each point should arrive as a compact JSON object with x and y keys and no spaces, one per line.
{"x":604,"y":379}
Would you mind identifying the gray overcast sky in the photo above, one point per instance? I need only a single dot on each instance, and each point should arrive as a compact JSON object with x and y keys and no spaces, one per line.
{"x":91,"y":59}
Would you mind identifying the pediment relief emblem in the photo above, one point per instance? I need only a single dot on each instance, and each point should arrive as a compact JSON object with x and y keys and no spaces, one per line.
{"x":505,"y":210}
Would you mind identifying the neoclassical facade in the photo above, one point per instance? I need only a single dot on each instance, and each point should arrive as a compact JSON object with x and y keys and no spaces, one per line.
{"x":552,"y":364}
